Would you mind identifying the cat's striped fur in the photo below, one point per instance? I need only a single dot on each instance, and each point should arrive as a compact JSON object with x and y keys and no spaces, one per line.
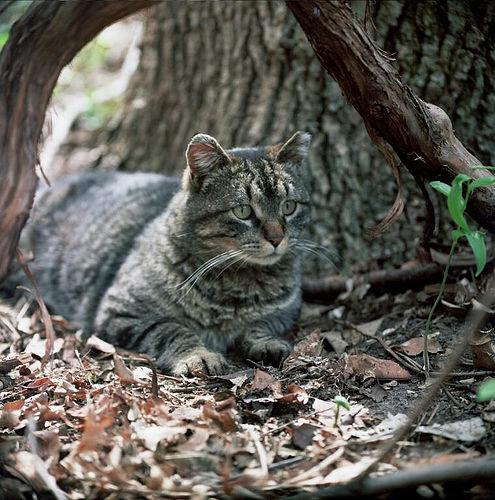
{"x":168,"y":268}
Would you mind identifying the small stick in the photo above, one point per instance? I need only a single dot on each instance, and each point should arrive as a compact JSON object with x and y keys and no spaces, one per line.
{"x":261,"y":452}
{"x":47,"y":320}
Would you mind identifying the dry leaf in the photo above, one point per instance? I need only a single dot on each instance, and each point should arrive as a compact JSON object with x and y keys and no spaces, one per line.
{"x":151,"y":435}
{"x":413,"y":347}
{"x":32,"y":467}
{"x":224,"y":418}
{"x":366,"y":366}
{"x":371,"y":327}
{"x":261,"y":380}
{"x":470,"y":430}
{"x":100,"y":345}
{"x":94,"y":431}
{"x":483,"y":352}
{"x":295,"y":394}
{"x":125,"y":375}
{"x":37,"y":345}
{"x":308,"y":346}
{"x":14,"y":405}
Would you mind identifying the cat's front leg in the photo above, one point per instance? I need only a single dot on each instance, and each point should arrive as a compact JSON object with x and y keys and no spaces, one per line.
{"x":197,"y":359}
{"x":179,"y":350}
{"x":270,"y":350}
{"x":262,"y":345}
{"x":177,"y":347}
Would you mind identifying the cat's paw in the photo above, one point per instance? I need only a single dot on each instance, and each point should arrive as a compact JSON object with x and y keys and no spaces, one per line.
{"x":200,"y":359}
{"x":272,"y":351}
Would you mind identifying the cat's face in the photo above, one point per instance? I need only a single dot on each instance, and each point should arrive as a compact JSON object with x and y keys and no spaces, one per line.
{"x":250,"y":204}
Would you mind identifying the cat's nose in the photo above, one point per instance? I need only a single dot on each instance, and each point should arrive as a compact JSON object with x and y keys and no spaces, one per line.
{"x":274,"y":233}
{"x":275,"y":240}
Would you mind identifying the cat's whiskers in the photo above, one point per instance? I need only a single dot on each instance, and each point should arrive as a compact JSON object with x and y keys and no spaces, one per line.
{"x":239,"y":258}
{"x":314,"y":249}
{"x":205,"y":268}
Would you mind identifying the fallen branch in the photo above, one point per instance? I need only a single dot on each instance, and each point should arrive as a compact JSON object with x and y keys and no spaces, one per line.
{"x":420,"y":133}
{"x":326,"y":289}
{"x":410,"y":478}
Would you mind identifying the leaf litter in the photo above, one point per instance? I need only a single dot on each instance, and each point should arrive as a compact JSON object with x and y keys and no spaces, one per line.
{"x":93,"y":423}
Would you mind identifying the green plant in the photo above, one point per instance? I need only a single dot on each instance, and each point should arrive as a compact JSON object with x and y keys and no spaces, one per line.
{"x":458,"y":194}
{"x":486,"y":391}
{"x":4,"y":36}
{"x":341,"y":402}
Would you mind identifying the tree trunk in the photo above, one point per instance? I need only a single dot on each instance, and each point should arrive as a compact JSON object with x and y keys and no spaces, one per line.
{"x":420,"y":133}
{"x":245,"y":73}
{"x":41,"y":43}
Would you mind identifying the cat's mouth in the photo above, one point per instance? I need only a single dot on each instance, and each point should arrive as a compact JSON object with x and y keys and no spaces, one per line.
{"x":266,"y":255}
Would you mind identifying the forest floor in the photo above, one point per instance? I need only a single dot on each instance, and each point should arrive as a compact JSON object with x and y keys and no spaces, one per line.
{"x":96,"y":423}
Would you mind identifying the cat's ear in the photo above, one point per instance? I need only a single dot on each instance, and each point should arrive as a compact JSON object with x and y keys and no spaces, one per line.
{"x":295,"y":149}
{"x":203,"y":155}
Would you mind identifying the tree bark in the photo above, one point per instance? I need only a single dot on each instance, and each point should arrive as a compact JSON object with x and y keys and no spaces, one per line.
{"x":41,"y":43}
{"x":420,"y":133}
{"x":245,"y":73}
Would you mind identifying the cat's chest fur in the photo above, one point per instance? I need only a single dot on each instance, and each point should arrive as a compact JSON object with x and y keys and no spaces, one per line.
{"x":242,"y":298}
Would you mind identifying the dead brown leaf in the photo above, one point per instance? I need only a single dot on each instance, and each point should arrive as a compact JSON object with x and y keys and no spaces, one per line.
{"x":94,"y":431}
{"x":366,"y":366}
{"x":414,"y":347}
{"x":483,"y":352}
{"x":295,"y":394}
{"x":125,"y":375}
{"x":224,"y":419}
{"x":308,"y":346}
{"x":14,"y":405}
{"x":261,"y":380}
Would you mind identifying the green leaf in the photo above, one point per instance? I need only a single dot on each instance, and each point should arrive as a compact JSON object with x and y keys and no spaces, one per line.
{"x":482,"y":181}
{"x":4,"y":36}
{"x":457,"y":234}
{"x":456,"y":203}
{"x":476,"y":240}
{"x":341,"y":401}
{"x":486,"y":391}
{"x":441,"y":187}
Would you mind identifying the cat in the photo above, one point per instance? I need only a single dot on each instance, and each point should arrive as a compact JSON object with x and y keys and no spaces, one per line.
{"x":184,"y":271}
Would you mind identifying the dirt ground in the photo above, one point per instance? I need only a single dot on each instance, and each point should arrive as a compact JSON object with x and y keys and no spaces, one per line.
{"x":93,"y":423}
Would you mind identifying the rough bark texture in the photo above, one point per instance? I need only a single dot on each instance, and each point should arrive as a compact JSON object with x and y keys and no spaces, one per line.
{"x":420,"y":133}
{"x":41,"y":43}
{"x":244,"y":72}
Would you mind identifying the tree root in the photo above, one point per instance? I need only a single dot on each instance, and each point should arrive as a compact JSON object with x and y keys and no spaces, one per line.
{"x":385,"y":280}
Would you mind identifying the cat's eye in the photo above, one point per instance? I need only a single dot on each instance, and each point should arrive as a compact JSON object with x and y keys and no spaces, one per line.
{"x":289,"y":207}
{"x":242,"y":211}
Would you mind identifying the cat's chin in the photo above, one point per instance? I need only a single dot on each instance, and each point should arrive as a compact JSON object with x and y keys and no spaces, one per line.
{"x":268,"y":260}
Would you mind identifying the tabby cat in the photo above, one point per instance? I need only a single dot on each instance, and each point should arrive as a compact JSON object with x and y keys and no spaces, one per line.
{"x":181,"y":271}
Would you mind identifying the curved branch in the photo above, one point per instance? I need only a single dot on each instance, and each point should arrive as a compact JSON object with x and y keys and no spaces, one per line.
{"x":41,"y":43}
{"x":420,"y":133}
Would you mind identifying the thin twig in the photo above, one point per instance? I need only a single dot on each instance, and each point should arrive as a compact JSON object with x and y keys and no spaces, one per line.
{"x":426,"y":358}
{"x":47,"y":320}
{"x":261,"y":452}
